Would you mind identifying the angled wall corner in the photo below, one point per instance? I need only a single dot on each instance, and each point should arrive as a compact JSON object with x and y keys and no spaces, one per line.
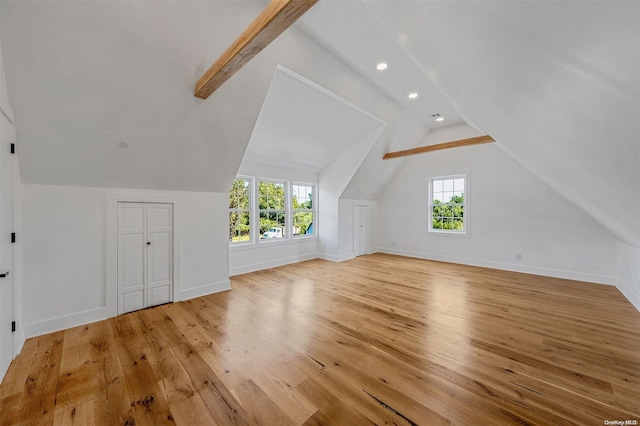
{"x":628,"y":282}
{"x":333,"y":180}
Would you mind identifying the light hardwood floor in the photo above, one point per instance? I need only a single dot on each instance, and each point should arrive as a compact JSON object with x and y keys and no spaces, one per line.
{"x":376,"y":340}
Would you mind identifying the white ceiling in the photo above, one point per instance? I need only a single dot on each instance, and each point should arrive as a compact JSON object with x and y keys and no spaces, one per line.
{"x":352,"y":32}
{"x":556,"y":83}
{"x":303,"y":126}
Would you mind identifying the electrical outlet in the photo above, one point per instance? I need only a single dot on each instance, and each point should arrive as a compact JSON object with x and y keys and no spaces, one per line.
{"x":519,"y":256}
{"x":393,"y":243}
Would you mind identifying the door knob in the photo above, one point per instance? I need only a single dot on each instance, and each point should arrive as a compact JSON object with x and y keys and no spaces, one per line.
{"x":6,"y":274}
{"x":148,"y":243}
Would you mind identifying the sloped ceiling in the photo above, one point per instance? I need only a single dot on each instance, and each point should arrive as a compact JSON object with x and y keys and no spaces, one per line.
{"x":303,"y":126}
{"x":85,"y":77}
{"x":103,"y":91}
{"x":556,"y":83}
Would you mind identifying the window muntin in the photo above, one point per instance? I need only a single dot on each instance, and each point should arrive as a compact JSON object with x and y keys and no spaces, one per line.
{"x":272,"y":209}
{"x":302,"y":196}
{"x":240,"y":211}
{"x":447,"y":204}
{"x":263,"y":210}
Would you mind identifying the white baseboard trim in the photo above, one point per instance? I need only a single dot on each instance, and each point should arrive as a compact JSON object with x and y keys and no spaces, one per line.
{"x":244,"y":269}
{"x":50,"y":325}
{"x":334,"y":258}
{"x":18,"y":342}
{"x":526,"y":269}
{"x":632,"y":296}
{"x":206,"y":289}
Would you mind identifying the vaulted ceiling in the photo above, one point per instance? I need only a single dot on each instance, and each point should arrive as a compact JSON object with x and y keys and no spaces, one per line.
{"x":103,"y":91}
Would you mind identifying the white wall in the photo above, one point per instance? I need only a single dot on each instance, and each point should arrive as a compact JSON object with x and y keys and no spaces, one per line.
{"x":629,"y":273}
{"x":346,"y":237}
{"x":560,"y":92}
{"x":269,"y":254}
{"x":333,"y":181}
{"x":66,"y":252}
{"x":511,"y":212}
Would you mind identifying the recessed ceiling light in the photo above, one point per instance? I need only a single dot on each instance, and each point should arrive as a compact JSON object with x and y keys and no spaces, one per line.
{"x":413,"y":95}
{"x":439,"y":118}
{"x":382,"y":66}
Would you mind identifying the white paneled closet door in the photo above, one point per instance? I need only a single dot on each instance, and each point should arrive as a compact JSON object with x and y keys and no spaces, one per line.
{"x":145,"y":255}
{"x":361,"y":230}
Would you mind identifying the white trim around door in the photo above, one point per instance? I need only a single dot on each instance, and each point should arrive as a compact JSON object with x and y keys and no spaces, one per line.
{"x":113,"y":199}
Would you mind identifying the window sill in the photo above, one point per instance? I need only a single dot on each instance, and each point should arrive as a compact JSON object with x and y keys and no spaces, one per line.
{"x":270,"y":243}
{"x":448,"y":234}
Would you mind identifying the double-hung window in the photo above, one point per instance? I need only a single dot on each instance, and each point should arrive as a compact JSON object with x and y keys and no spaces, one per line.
{"x":272,"y":210}
{"x":447,"y":204}
{"x":240,"y":211}
{"x":302,"y":196}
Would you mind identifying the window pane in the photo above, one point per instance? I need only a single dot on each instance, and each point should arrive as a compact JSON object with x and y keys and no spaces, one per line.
{"x":272,"y":225}
{"x":457,"y":198}
{"x":239,"y":205}
{"x":239,"y":194}
{"x":271,"y":195}
{"x":458,"y":185}
{"x":239,"y":226}
{"x":448,"y":204}
{"x":303,"y":223}
{"x":302,"y":197}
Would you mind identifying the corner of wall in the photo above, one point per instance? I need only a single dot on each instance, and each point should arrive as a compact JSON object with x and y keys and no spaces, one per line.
{"x":628,"y":280}
{"x":51,"y":325}
{"x":484,"y":263}
{"x":205,"y":290}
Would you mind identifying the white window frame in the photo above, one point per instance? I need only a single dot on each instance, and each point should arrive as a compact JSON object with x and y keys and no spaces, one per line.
{"x":250,"y":211}
{"x":313,"y":210}
{"x":287,"y":212}
{"x":449,"y":232}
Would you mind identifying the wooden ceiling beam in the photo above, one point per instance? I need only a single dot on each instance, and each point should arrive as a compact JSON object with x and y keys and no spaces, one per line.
{"x":446,"y":145}
{"x":274,"y":19}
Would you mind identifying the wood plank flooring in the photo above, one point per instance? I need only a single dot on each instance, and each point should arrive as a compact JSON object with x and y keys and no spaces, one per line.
{"x":379,"y":339}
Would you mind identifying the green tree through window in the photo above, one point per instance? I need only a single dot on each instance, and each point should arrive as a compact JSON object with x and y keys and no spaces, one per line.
{"x":272,"y":208}
{"x":447,"y":204}
{"x":302,"y":200}
{"x":240,"y":210}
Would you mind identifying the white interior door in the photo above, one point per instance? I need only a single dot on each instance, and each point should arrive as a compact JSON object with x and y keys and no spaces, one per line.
{"x":361,"y":229}
{"x":6,"y":248}
{"x":159,"y":253}
{"x":145,"y":255}
{"x":131,"y":253}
